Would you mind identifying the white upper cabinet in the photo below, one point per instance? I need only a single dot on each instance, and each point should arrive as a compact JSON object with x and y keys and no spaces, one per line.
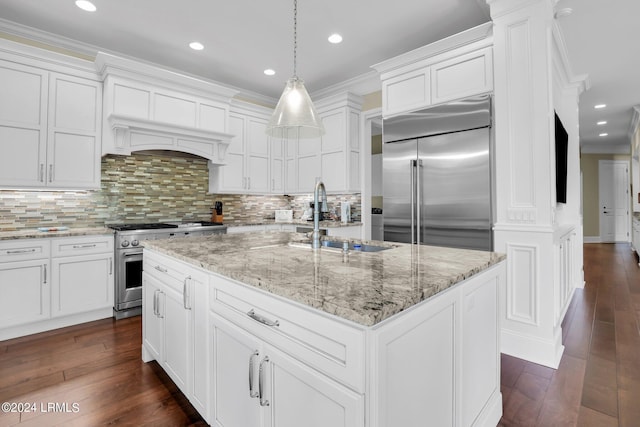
{"x":335,"y":156}
{"x":250,"y":166}
{"x":449,"y":69}
{"x":49,"y":128}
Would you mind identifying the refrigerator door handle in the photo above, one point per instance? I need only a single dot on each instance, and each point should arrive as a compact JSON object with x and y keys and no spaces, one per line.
{"x":418,"y":200}
{"x":412,"y":166}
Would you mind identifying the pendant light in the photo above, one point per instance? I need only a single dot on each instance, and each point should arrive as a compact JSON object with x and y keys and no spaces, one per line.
{"x":295,"y":115}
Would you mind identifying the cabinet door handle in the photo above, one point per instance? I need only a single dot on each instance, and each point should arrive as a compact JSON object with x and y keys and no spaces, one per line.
{"x":160,"y":315}
{"x":21,"y":251}
{"x":87,"y":246}
{"x":110,"y":266}
{"x":51,"y":172}
{"x":160,"y":269}
{"x":155,"y":303}
{"x":185,"y":295}
{"x":45,"y":273}
{"x":41,"y":172}
{"x":262,"y":319}
{"x":252,"y":393}
{"x":263,"y":401}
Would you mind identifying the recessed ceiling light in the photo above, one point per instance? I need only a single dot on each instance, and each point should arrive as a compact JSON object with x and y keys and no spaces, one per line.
{"x":335,"y":38}
{"x":603,"y":122}
{"x":599,"y":106}
{"x":86,"y":5}
{"x":196,"y":45}
{"x":604,"y":134}
{"x":269,"y":72}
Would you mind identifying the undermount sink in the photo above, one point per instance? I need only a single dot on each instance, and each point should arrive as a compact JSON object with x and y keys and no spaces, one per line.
{"x":339,"y":246}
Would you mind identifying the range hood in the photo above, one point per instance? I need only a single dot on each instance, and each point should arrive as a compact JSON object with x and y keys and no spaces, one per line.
{"x":149,"y":108}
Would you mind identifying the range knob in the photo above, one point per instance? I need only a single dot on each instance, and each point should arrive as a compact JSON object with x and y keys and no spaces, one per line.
{"x":125,"y":243}
{"x":135,"y":243}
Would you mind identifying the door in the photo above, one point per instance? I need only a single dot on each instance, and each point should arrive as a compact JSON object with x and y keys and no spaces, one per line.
{"x":613,"y":187}
{"x":236,"y":357}
{"x":257,"y":156}
{"x":398,"y":164}
{"x":232,"y":174}
{"x":177,"y":332}
{"x":129,"y":272}
{"x":81,"y":283}
{"x":151,"y":318}
{"x":454,"y":190}
{"x":300,"y":396}
{"x":24,"y":292}
{"x":23,"y":125}
{"x":73,"y":150}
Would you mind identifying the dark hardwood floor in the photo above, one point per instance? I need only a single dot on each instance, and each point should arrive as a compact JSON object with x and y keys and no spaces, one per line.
{"x":598,"y":381}
{"x":97,"y":366}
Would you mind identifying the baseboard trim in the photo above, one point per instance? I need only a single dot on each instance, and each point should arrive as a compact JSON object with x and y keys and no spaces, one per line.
{"x":531,"y":348}
{"x":592,"y":239}
{"x":54,"y":323}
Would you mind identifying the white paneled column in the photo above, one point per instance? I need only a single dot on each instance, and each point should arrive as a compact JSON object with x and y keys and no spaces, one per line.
{"x":525,"y":177}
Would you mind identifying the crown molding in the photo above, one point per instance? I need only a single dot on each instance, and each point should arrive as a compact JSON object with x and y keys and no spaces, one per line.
{"x":563,"y":65}
{"x":363,"y":84}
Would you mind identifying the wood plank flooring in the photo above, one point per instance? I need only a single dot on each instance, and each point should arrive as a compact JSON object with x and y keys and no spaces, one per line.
{"x":598,"y":381}
{"x":97,"y":366}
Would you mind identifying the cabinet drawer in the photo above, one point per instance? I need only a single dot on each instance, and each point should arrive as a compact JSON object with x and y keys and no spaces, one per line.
{"x":328,"y":345}
{"x":170,"y":272}
{"x":85,"y":245}
{"x":24,"y":249}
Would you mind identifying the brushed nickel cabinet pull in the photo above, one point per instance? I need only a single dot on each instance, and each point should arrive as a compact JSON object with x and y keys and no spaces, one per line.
{"x":263,"y":401}
{"x":262,"y":319}
{"x":161,"y":269}
{"x":252,"y":393}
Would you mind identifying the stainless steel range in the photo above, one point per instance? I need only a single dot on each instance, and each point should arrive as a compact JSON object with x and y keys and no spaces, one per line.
{"x":129,"y":239}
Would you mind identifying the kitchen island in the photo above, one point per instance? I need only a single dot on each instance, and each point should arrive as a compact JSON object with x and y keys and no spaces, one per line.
{"x":405,"y":336}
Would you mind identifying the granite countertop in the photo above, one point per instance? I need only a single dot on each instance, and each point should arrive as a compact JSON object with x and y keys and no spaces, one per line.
{"x":34,"y":233}
{"x":365,"y":288}
{"x":323,"y":224}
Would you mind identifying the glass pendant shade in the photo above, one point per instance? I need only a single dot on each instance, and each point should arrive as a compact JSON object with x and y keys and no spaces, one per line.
{"x":295,"y":116}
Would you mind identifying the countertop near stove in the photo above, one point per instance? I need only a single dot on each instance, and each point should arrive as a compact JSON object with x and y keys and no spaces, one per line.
{"x":36,"y":234}
{"x":365,"y":288}
{"x":323,"y":224}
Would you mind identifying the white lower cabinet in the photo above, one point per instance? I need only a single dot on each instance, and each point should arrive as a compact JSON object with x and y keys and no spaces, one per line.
{"x":174,"y":330}
{"x":24,"y":292}
{"x":281,"y":391}
{"x":51,"y":283}
{"x":265,"y":361}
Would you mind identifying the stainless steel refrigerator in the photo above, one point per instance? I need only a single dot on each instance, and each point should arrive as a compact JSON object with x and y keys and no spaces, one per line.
{"x":437,"y":176}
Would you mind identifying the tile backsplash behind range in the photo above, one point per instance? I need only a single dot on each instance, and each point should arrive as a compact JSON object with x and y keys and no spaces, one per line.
{"x":145,"y":188}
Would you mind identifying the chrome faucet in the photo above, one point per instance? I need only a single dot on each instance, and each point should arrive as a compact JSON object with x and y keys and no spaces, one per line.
{"x":316,"y":212}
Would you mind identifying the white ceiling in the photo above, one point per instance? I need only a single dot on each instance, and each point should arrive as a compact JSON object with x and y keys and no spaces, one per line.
{"x":243,"y":37}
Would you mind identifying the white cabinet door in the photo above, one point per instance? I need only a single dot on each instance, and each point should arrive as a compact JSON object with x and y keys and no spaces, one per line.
{"x":81,"y":283}
{"x":152,"y":330}
{"x":300,"y":396}
{"x":231,"y":176}
{"x":176,"y":326}
{"x":277,"y":166}
{"x":199,"y":303}
{"x":73,"y":146}
{"x":24,"y":292}
{"x":23,"y":125}
{"x":234,"y":377}
{"x":406,"y":92}
{"x":257,"y":161}
{"x":465,"y":75}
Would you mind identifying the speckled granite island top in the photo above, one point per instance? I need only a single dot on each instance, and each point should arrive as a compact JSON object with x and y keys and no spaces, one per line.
{"x":365,"y":288}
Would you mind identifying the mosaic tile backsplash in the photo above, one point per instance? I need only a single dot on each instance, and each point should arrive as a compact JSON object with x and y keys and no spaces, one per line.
{"x":147,"y":188}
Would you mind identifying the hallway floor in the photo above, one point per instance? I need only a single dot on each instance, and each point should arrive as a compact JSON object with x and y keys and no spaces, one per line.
{"x":598,"y":381}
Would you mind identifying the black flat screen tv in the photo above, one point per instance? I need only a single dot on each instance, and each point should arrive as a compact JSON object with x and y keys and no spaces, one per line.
{"x":562,"y":144}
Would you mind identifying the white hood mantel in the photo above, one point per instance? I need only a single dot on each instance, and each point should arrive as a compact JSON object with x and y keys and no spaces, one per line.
{"x":149,"y":108}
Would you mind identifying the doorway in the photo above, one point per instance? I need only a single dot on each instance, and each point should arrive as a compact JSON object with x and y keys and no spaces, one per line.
{"x":613,"y":189}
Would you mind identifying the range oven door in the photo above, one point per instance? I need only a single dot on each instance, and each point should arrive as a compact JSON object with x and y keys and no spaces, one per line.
{"x":129,"y":278}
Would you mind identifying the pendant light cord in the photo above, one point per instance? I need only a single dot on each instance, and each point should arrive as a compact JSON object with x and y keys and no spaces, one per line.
{"x":295,"y":37}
